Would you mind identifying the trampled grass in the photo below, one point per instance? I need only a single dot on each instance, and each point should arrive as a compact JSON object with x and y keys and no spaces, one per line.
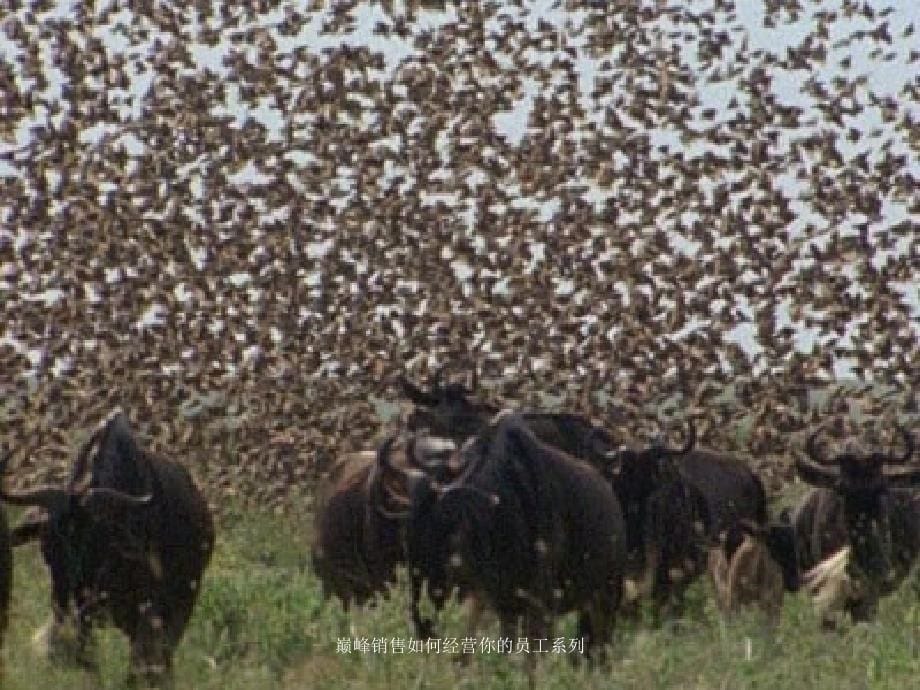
{"x":261,"y":623}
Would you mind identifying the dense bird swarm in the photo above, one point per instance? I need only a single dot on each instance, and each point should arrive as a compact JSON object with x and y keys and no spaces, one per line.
{"x":242,"y":220}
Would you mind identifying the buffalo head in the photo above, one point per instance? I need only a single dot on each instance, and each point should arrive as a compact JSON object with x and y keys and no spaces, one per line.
{"x":639,"y":470}
{"x":863,"y":480}
{"x":637,"y":473}
{"x":447,"y":410}
{"x":431,"y":499}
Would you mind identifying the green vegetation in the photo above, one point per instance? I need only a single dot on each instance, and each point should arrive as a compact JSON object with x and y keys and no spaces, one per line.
{"x":261,"y":623}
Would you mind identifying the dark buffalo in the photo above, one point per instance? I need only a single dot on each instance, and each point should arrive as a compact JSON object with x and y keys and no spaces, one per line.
{"x":531,"y":530}
{"x":663,"y":510}
{"x":357,"y":540}
{"x":731,"y":489}
{"x":450,"y":410}
{"x":126,"y":540}
{"x":680,"y":501}
{"x":665,"y":519}
{"x":867,"y":501}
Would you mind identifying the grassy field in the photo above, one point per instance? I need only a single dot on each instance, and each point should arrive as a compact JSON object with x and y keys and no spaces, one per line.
{"x":261,"y":623}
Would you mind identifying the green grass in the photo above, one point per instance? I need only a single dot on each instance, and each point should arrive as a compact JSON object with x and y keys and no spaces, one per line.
{"x":261,"y":623}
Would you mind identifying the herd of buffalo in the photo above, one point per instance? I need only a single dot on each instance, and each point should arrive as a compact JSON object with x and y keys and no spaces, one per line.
{"x":535,"y":514}
{"x":529,"y":514}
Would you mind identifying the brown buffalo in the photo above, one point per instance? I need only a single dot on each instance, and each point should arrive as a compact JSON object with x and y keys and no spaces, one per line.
{"x":744,"y":573}
{"x":357,"y":541}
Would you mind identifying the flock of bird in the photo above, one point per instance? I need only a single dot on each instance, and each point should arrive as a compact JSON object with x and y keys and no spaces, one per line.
{"x":241,"y":221}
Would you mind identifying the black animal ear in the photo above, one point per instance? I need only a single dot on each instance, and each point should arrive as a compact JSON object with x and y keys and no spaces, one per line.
{"x":416,"y":394}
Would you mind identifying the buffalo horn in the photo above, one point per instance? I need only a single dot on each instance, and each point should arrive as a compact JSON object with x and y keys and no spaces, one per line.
{"x":811,"y":446}
{"x":816,"y":474}
{"x":689,"y":440}
{"x":380,"y":495}
{"x":908,"y":446}
{"x":437,"y":376}
{"x":80,"y":477}
{"x":103,"y":498}
{"x":51,"y":498}
{"x":902,"y":478}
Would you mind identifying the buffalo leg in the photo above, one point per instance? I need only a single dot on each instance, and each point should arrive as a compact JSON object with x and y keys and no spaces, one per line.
{"x":595,"y":626}
{"x":151,"y":654}
{"x":475,"y":610}
{"x":536,"y":627}
{"x":424,"y":627}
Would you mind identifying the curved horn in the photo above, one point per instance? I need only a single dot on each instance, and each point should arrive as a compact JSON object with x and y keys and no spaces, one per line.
{"x":816,"y":474}
{"x":474,"y":379}
{"x":908,"y":446}
{"x":379,"y":494}
{"x":51,"y":498}
{"x":689,"y":440}
{"x":811,"y":447}
{"x":416,"y":394}
{"x":111,"y":500}
{"x":902,"y":479}
{"x":79,"y":472}
{"x":437,"y":376}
